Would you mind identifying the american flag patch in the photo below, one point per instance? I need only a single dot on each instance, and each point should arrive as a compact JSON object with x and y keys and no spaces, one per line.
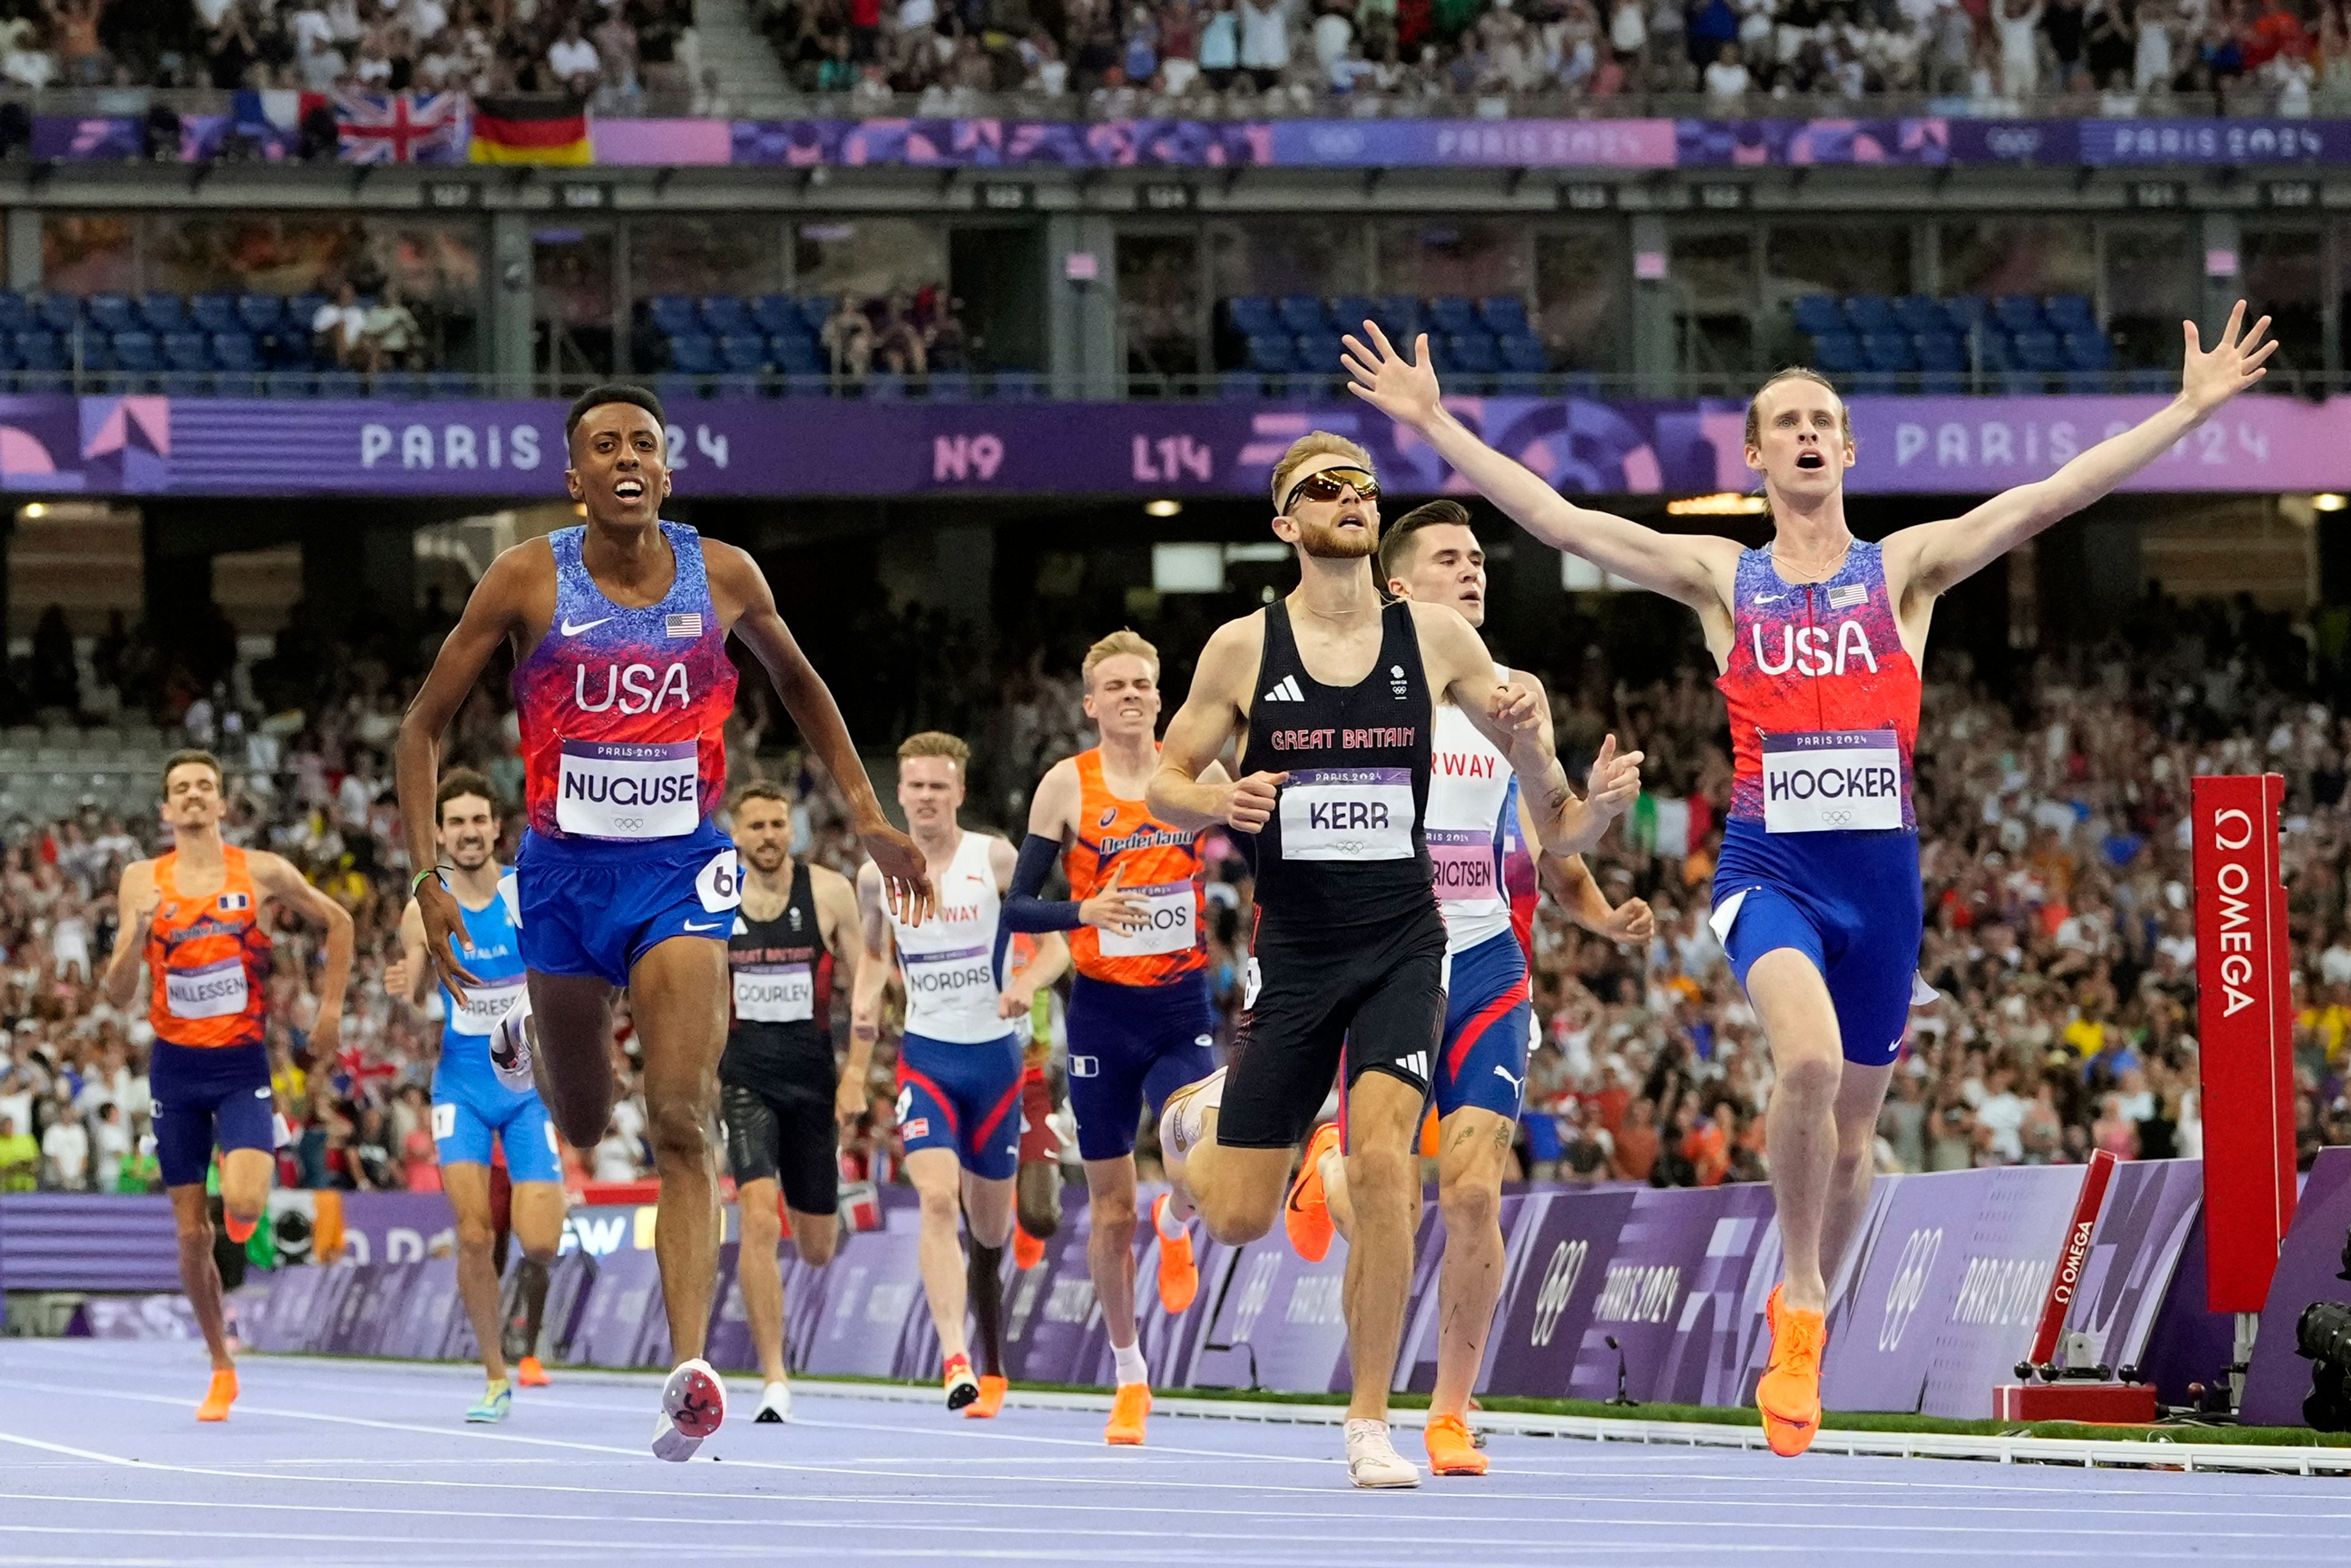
{"x":237,"y":901}
{"x":1839,"y":598}
{"x":687,"y":625}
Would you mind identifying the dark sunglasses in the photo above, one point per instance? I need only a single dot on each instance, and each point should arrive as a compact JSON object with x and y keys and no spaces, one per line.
{"x":1331,"y":484}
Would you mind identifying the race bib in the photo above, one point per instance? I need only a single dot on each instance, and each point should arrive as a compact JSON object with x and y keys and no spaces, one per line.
{"x":1171,"y":925}
{"x":720,"y":886}
{"x":215,"y":991}
{"x":485,"y":1005}
{"x":1465,"y":863}
{"x":774,"y":993}
{"x":953,"y":994}
{"x":619,"y":791}
{"x":1835,"y":780}
{"x":1347,"y":814}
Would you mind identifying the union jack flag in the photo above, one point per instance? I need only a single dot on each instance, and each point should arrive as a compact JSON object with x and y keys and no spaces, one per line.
{"x":402,"y":127}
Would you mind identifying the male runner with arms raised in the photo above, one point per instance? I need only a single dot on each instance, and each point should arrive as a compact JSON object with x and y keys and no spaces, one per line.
{"x":1348,"y":950}
{"x":782,"y":1096}
{"x":1478,"y":841}
{"x":959,"y":1065}
{"x":191,"y":918}
{"x":622,"y":687}
{"x":1818,"y":637}
{"x":1141,"y":1024}
{"x":471,"y":1105}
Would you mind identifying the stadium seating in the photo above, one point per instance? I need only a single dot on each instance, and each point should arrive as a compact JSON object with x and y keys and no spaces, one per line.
{"x":2014,"y":343}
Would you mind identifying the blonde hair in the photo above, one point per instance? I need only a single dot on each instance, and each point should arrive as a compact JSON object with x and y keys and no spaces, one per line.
{"x":1122,"y":642}
{"x":1797,"y":374}
{"x":936,"y":742}
{"x":1313,"y":445}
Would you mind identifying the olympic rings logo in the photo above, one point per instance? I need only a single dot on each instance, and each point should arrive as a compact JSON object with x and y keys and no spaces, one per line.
{"x":1838,"y":818}
{"x":1558,"y":1285}
{"x":1908,"y":1286}
{"x":630,"y":824}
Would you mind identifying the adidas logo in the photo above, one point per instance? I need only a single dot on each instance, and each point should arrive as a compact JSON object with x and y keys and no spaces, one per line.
{"x":1285,"y":690}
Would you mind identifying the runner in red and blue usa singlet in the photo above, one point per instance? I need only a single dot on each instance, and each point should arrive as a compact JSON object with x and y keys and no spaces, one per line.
{"x":623,"y":713}
{"x":1821,"y":852}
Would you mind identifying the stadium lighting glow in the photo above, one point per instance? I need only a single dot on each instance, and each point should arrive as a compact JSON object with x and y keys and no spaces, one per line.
{"x":1166,"y":508}
{"x":35,"y":510}
{"x":2327,"y":501}
{"x":1723,"y":504}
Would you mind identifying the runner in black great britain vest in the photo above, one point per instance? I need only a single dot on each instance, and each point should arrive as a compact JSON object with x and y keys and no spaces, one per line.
{"x":1331,"y":693}
{"x":1818,"y":637}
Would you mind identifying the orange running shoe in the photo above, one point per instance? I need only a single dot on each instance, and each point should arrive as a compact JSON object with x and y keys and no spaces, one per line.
{"x":962,"y":1387}
{"x":1179,"y":1275}
{"x":1452,"y":1451}
{"x":1128,"y":1407}
{"x":990,"y":1400}
{"x":1307,"y":1214}
{"x":529,"y":1374}
{"x":1028,"y":1250}
{"x":219,"y":1397}
{"x":1789,"y":1393}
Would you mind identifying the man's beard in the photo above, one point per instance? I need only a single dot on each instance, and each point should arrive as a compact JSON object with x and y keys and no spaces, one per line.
{"x":1328,"y":541}
{"x":768,"y":863}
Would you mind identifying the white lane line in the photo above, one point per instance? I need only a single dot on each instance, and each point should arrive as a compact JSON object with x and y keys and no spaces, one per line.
{"x":65,"y":1448}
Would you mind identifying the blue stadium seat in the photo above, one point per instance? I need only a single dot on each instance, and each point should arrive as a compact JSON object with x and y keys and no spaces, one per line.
{"x":1269,"y":355}
{"x":1475,"y":353}
{"x":1837,"y":353}
{"x":1969,"y":313}
{"x":1523,"y":354}
{"x":796,"y":354}
{"x":694,"y":354}
{"x":40,"y":349}
{"x":816,"y":310}
{"x":2153,"y":380}
{"x":1939,"y":351}
{"x":1400,"y":316}
{"x":1318,"y":353}
{"x":2090,"y":350}
{"x":1452,"y":316}
{"x":213,"y":313}
{"x":673,"y":315}
{"x":301,"y":310}
{"x":1019,"y":386}
{"x":111,"y":313}
{"x":261,"y":313}
{"x":743,"y":356}
{"x":950,"y":386}
{"x":1350,"y":311}
{"x":2036,"y":351}
{"x":672,"y":388}
{"x":1239,"y":386}
{"x":1815,"y":314}
{"x":135,"y":352}
{"x":407,"y":386}
{"x":2069,"y":314}
{"x":341,"y":383}
{"x":1919,"y":314}
{"x":16,"y":312}
{"x":1887,"y":352}
{"x":187,"y":354}
{"x":234,"y":351}
{"x":59,"y":313}
{"x":448,"y":383}
{"x":162,"y":314}
{"x":2018,"y":313}
{"x":1300,"y":314}
{"x":291,"y":384}
{"x":1506,"y":314}
{"x":777,"y":314}
{"x":727,"y":315}
{"x":1872,"y":313}
{"x":1252,"y":316}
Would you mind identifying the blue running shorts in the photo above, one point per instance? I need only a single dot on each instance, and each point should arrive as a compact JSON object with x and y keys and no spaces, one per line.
{"x":205,"y":1095}
{"x":1133,"y":1046}
{"x":1489,"y":1022}
{"x":471,"y":1106}
{"x":594,"y":908}
{"x":962,"y":1097}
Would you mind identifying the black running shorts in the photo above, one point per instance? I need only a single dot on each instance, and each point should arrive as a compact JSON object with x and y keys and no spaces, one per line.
{"x":784,"y":1135}
{"x":1375,"y":994}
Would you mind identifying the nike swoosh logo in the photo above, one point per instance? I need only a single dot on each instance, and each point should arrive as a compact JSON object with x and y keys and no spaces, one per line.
{"x":569,"y":630}
{"x":690,"y":926}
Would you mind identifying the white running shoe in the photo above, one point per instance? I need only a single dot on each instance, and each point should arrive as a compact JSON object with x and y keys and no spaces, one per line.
{"x":510,"y":1047}
{"x":1371,"y":1460}
{"x":775,"y":1403}
{"x":1184,"y":1121}
{"x":694,"y":1403}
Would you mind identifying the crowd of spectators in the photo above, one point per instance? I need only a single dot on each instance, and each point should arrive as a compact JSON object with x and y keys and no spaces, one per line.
{"x":2052,"y":801}
{"x":1198,"y":58}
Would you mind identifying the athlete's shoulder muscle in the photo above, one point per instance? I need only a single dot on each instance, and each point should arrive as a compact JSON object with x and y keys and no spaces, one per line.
{"x":1054,"y":810}
{"x":1450,"y":648}
{"x":737,"y":584}
{"x":1229,"y":661}
{"x":836,"y":904}
{"x":1001,"y":859}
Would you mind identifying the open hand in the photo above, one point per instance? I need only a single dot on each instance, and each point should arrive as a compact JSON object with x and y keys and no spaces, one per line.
{"x":1615,"y":781}
{"x":1404,"y":389}
{"x":1114,"y":908}
{"x":2212,"y":377}
{"x":444,"y":927}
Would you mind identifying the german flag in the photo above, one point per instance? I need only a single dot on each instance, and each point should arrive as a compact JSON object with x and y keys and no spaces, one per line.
{"x":530,"y":130}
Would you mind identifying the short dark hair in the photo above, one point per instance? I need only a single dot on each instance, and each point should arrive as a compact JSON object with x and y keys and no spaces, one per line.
{"x":462,"y":781}
{"x":762,"y":789}
{"x":180,"y":759}
{"x":1395,"y":547}
{"x":595,"y":398}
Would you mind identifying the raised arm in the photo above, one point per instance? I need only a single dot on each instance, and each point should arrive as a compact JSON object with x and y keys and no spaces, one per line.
{"x":275,"y":877}
{"x":1931,"y":557}
{"x":810,"y":702}
{"x":1689,"y":569}
{"x":1213,"y":712}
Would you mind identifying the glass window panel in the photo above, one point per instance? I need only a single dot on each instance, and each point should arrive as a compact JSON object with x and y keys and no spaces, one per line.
{"x":1427,"y":258}
{"x":431,"y":262}
{"x":2151,"y":286}
{"x":1581,"y":305}
{"x":871,"y":258}
{"x":1160,"y":308}
{"x":2282,"y":272}
{"x":1835,"y":257}
{"x":87,"y":254}
{"x":2018,"y":255}
{"x":1712,"y":279}
{"x":1303,"y":255}
{"x":706,"y":255}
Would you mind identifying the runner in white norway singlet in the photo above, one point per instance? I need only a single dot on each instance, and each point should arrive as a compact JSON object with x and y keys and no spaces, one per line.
{"x":954,"y":961}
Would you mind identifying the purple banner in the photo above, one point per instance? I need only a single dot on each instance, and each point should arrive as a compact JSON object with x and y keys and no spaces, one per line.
{"x":2135,"y":1255}
{"x":2310,"y":1269}
{"x":625,"y":1292}
{"x":1700,"y":143}
{"x":1925,"y":445}
{"x":135,"y":1317}
{"x":425,"y":1302}
{"x":74,"y":1242}
{"x":1559,"y":1249}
